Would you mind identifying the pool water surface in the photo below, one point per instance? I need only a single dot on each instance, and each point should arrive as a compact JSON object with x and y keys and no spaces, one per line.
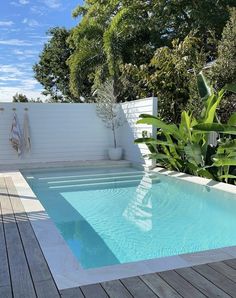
{"x":121,"y":215}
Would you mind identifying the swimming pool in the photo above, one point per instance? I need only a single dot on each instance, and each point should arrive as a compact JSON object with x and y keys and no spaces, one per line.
{"x":116,"y":216}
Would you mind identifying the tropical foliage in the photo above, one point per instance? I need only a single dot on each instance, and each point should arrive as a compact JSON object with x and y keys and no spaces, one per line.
{"x":147,"y":48}
{"x":224,"y":70}
{"x":186,"y":148}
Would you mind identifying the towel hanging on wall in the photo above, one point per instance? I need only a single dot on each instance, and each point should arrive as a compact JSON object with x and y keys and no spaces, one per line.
{"x":15,"y":135}
{"x":26,"y":133}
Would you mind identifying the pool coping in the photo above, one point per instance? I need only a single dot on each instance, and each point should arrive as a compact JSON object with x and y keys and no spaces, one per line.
{"x":66,"y":269}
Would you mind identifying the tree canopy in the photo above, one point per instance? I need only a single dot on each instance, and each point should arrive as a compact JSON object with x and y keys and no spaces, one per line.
{"x":52,"y":70}
{"x":18,"y":97}
{"x":151,"y":47}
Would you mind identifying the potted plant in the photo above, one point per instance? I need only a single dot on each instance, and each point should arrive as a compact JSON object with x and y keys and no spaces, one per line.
{"x":108,"y":110}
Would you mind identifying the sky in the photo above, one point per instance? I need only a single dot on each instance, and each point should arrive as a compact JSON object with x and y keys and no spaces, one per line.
{"x":23,"y":27}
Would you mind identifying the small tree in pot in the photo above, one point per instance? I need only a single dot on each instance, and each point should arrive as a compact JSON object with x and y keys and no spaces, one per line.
{"x":109,"y":111}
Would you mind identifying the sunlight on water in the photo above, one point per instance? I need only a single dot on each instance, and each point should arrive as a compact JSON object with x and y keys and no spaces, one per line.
{"x":111,"y":216}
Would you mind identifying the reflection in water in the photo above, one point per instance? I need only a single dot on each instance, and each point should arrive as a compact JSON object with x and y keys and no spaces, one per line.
{"x":139,"y":209}
{"x":86,"y":244}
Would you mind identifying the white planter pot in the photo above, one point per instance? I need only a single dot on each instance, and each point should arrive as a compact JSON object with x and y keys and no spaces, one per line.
{"x":115,"y":153}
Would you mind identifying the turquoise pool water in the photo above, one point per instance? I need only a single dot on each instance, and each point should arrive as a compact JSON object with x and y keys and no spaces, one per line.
{"x":111,"y":216}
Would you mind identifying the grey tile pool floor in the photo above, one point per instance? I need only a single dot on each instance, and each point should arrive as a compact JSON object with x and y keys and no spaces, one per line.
{"x":24,"y":271}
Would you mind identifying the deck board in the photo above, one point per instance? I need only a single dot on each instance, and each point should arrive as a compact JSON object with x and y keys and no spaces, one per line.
{"x":94,"y":291}
{"x":201,"y":283}
{"x":72,"y":293}
{"x":4,"y":268}
{"x":224,"y":269}
{"x":116,"y":289}
{"x":24,"y":272}
{"x":231,"y":263}
{"x":138,"y":288}
{"x":217,"y":279}
{"x":22,"y":284}
{"x":39,"y":270}
{"x":182,"y":286}
{"x":160,"y":287}
{"x":6,"y":292}
{"x":5,"y":281}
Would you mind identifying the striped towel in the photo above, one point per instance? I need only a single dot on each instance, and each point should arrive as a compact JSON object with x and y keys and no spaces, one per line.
{"x":26,"y":133}
{"x":15,"y":135}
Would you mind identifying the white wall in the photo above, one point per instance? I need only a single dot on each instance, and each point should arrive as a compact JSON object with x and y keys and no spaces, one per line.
{"x":131,"y":130}
{"x":59,"y":132}
{"x":71,"y":132}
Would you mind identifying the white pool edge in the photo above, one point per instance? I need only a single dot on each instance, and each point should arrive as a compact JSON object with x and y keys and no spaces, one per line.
{"x":65,"y":268}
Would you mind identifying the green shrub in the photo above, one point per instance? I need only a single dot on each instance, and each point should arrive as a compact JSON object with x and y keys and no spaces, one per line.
{"x":185,"y":147}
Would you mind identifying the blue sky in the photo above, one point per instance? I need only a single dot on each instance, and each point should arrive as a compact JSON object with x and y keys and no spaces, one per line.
{"x":23,"y":26}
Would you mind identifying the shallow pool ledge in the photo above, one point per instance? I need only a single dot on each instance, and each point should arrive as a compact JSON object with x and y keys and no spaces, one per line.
{"x":198,"y":180}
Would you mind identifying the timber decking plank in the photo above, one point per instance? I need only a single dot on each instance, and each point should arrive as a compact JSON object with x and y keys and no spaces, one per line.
{"x":37,"y":262}
{"x":71,"y":293}
{"x":5,"y":292}
{"x":224,"y":269}
{"x":22,"y":284}
{"x":4,"y":268}
{"x":38,"y":266}
{"x":138,"y":288}
{"x":183,"y":287}
{"x":231,"y":263}
{"x":115,"y":289}
{"x":201,"y":283}
{"x":46,"y":288}
{"x":159,"y":286}
{"x":94,"y":291}
{"x":217,"y":278}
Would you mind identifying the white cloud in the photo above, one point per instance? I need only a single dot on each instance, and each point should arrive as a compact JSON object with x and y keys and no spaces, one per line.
{"x":25,"y":52}
{"x":15,"y":42}
{"x":19,"y":72}
{"x":6,"y":93}
{"x":23,"y":2}
{"x":6,"y":79}
{"x":30,"y":22}
{"x":39,"y":10}
{"x":11,"y":70}
{"x":22,"y":55}
{"x":17,"y":78}
{"x":52,"y":3}
{"x":6,"y":23}
{"x":20,"y":2}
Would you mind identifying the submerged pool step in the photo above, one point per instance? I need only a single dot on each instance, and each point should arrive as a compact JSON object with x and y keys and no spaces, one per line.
{"x":88,"y":176}
{"x":96,"y":179}
{"x":105,"y":184}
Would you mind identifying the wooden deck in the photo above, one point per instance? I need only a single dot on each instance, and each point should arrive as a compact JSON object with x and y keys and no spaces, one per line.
{"x":24,"y":272}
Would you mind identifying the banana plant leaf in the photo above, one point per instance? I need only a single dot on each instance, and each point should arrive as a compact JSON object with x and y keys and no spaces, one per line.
{"x":204,"y":88}
{"x":232,"y":119}
{"x":228,"y":145}
{"x":185,"y":125}
{"x":230,"y":87}
{"x":194,"y":154}
{"x":220,"y":162}
{"x":152,"y":120}
{"x":159,"y":156}
{"x":228,"y":177}
{"x":198,"y":171}
{"x":152,"y":141}
{"x":212,"y":105}
{"x":217,"y":127}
